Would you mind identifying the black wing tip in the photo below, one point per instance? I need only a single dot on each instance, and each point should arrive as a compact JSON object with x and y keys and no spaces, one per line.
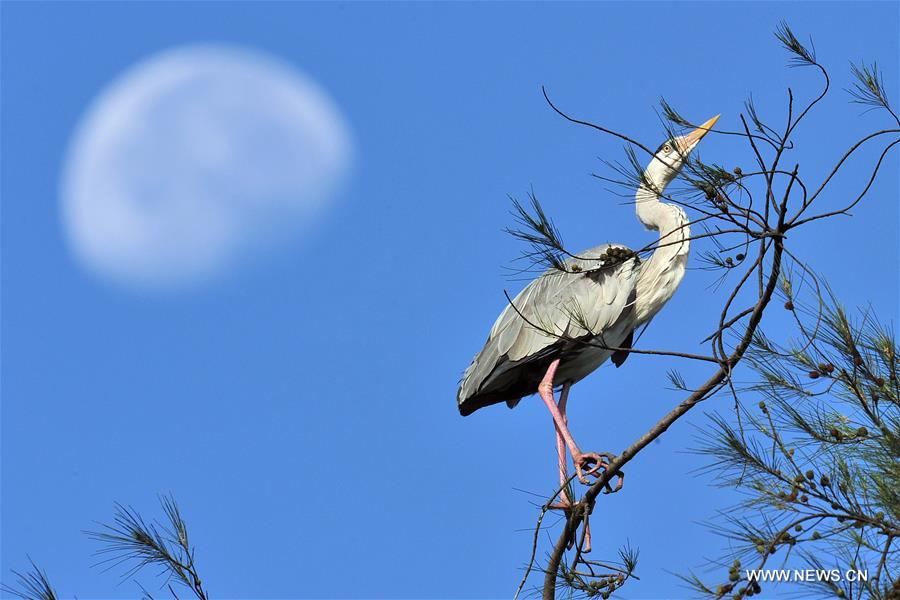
{"x":618,"y":357}
{"x":469,"y":405}
{"x":465,"y":410}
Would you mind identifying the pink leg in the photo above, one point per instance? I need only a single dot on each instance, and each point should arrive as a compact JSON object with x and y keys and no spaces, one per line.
{"x":561,"y":446}
{"x":566,"y":501}
{"x":587,"y":535}
{"x":582,"y":460}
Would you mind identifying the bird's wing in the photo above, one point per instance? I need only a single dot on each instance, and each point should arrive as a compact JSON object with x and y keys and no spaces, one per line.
{"x":588,"y":298}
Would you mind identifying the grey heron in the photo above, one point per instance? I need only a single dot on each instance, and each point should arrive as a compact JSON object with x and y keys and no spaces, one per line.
{"x":570,"y":320}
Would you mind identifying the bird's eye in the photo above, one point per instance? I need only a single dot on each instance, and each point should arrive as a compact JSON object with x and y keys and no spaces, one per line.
{"x":667,"y":148}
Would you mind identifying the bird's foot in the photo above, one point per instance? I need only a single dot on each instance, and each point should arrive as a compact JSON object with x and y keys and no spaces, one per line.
{"x":590,"y":463}
{"x":587,"y":464}
{"x":569,"y":508}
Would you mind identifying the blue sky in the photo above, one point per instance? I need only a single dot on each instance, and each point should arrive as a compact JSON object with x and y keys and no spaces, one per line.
{"x":302,"y":410}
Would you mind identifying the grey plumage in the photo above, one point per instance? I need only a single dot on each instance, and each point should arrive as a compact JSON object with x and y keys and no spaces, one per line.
{"x":576,"y":314}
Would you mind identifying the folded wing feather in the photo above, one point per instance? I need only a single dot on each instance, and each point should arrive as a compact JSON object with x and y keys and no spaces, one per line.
{"x":558,"y":304}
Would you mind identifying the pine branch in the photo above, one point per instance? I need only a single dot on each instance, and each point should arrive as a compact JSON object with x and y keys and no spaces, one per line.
{"x":545,"y":246}
{"x":31,"y":585}
{"x":869,"y":89}
{"x":132,"y":541}
{"x":802,"y":56}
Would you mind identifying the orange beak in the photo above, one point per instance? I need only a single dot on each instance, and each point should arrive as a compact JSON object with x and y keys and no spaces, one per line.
{"x":693,"y":138}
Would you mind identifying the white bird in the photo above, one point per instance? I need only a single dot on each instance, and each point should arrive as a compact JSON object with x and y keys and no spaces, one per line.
{"x":570,"y":320}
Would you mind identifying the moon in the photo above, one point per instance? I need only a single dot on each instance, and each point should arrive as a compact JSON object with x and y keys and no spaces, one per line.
{"x":196,"y":158}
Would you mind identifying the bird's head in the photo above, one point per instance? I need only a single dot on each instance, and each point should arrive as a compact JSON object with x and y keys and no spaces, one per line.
{"x":672,"y":154}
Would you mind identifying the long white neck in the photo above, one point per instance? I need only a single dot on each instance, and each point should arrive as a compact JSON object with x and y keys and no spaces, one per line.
{"x":663,"y":271}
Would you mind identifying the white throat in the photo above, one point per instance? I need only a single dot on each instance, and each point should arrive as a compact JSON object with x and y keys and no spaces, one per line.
{"x":663,"y":271}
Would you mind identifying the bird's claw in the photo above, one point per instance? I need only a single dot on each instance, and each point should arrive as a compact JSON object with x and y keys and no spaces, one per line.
{"x":599,"y":460}
{"x":583,"y":466}
{"x":620,"y":481}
